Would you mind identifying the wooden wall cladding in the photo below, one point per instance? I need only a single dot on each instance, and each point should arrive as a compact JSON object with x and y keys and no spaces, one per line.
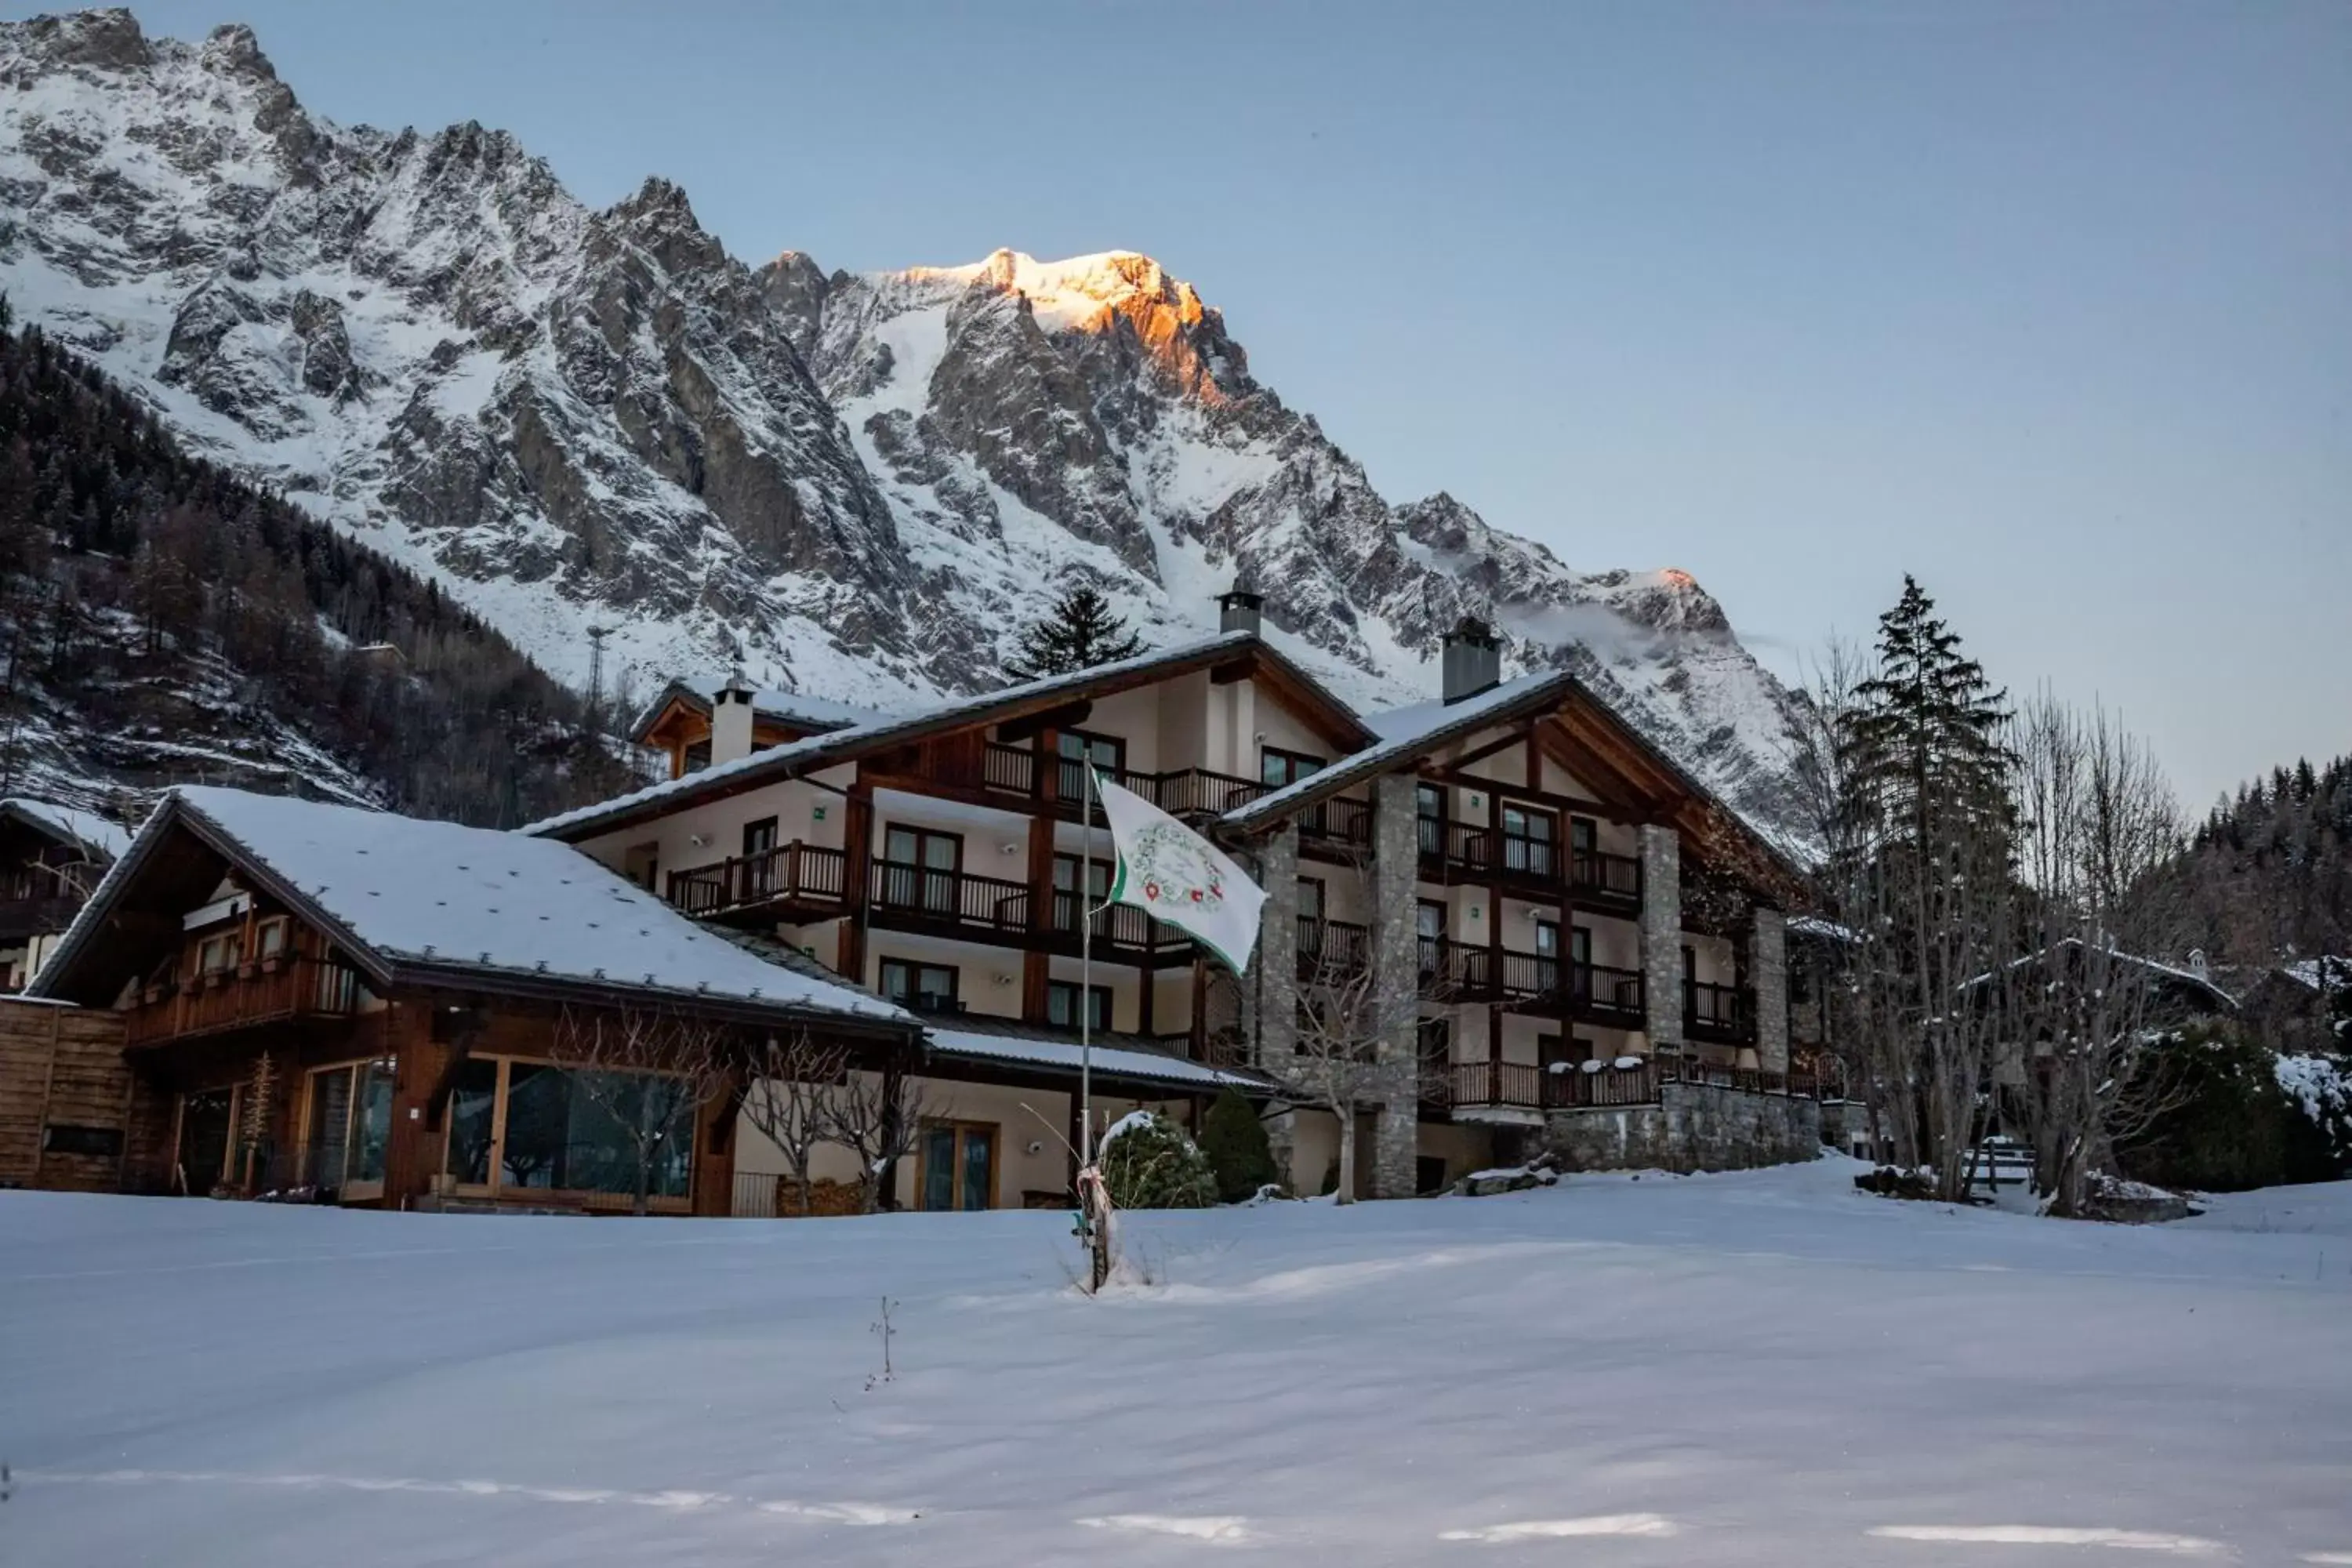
{"x":69,"y":1109}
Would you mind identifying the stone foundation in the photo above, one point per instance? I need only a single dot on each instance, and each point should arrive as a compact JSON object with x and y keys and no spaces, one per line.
{"x":1695,"y":1127}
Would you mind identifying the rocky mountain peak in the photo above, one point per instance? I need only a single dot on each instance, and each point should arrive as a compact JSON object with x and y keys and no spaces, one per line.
{"x":857,"y":485}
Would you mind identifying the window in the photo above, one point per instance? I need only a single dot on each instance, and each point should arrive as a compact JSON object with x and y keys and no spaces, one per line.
{"x":270,"y":938}
{"x":959,"y":1165}
{"x":1527,"y":837}
{"x":220,"y":953}
{"x":1429,"y":925}
{"x":1066,"y":884}
{"x":925,"y":988}
{"x":1062,"y":1004}
{"x":1429,"y":816}
{"x":1078,"y":747}
{"x":1584,"y":834}
{"x":1310,"y":897}
{"x":1277,"y":767}
{"x":919,"y":868}
{"x":531,"y":1127}
{"x":348,"y":1124}
{"x":758,"y":856}
{"x":697,"y":755}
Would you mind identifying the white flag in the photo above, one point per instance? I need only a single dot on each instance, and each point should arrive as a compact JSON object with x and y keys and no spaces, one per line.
{"x":1173,"y":874}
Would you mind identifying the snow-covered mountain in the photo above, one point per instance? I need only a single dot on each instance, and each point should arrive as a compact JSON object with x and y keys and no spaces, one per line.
{"x":856,"y":485}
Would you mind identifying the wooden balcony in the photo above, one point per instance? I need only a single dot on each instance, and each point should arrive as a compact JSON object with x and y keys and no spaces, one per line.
{"x":1331,"y":947}
{"x":265,"y":991}
{"x":36,"y":915}
{"x":1601,"y":880}
{"x":1524,"y":1087}
{"x":1118,"y":932}
{"x":1717,"y":1014}
{"x":792,"y":880}
{"x":904,"y":897}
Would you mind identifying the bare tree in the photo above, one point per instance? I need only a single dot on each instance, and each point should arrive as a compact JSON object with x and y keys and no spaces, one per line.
{"x":651,"y":1070}
{"x":1337,"y":1063}
{"x":2097,"y":820}
{"x":796,"y":1082}
{"x":877,"y":1117}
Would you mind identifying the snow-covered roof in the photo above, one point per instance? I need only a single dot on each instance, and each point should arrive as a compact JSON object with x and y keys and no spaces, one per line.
{"x":2305,"y":972}
{"x":809,"y":711}
{"x":1114,"y":1061}
{"x":69,"y":825}
{"x":1814,"y":926}
{"x":451,"y":896}
{"x":1405,"y":733}
{"x":814,"y":751}
{"x":2154,"y":966}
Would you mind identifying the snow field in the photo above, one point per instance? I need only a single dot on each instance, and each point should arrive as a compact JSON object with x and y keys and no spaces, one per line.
{"x":1763,"y":1368}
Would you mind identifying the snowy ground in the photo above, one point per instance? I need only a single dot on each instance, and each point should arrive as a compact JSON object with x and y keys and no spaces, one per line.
{"x":1763,"y":1368}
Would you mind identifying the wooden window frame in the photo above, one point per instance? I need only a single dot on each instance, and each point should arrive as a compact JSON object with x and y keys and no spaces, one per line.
{"x":496,"y":1188}
{"x":914,"y":966}
{"x":1070,"y":988}
{"x":1290,"y":769}
{"x":993,"y":1131}
{"x":350,"y":1192}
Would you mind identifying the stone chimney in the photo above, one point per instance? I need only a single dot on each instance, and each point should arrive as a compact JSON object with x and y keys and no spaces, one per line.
{"x":1240,"y":610}
{"x":730,"y":722}
{"x":1473,"y":659}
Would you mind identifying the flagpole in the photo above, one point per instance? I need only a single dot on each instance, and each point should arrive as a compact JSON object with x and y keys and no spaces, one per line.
{"x":1085,"y":969}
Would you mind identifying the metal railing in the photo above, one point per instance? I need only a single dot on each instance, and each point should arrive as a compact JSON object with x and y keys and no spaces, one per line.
{"x":1603,"y":875}
{"x":1342,"y":946}
{"x":1711,"y":1009}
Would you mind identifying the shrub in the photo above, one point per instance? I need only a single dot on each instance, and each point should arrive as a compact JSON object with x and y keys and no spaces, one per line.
{"x":2233,"y":1127}
{"x":1240,"y":1155}
{"x":1149,"y":1163}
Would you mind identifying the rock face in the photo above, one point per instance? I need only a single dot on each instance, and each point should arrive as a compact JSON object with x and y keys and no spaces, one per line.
{"x":860,"y":486}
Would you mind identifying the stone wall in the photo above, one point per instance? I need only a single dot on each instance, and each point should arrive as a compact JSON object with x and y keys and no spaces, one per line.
{"x":1661,"y":937}
{"x":1396,"y":872}
{"x":1767,"y":971}
{"x":1695,"y":1127}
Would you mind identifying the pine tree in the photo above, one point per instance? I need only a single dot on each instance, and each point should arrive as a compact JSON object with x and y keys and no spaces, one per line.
{"x":1079,"y":633}
{"x":1924,"y":737}
{"x":1239,"y":1151}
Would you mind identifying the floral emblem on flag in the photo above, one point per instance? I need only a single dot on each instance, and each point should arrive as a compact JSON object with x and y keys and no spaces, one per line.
{"x":1173,"y":870}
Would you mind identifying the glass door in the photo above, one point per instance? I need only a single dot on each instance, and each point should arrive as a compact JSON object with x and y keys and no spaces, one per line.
{"x":205,"y":1121}
{"x":1527,"y":838}
{"x":919,"y":869}
{"x":348,"y":1128}
{"x":959,"y":1165}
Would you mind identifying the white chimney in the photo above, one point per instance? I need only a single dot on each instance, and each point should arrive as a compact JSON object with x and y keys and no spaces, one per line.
{"x":2197,"y":964}
{"x":730,"y":722}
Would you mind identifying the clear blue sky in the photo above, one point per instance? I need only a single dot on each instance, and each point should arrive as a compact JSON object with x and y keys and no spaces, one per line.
{"x":2049,"y":304}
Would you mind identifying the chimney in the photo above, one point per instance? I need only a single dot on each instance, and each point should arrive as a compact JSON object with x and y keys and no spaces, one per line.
{"x":1238,"y":610}
{"x":1473,"y":659}
{"x":730,"y":722}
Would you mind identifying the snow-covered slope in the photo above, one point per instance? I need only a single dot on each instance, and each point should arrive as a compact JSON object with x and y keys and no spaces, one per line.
{"x":858,"y":486}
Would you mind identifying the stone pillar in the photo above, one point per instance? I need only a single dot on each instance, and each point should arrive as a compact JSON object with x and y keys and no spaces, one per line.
{"x":1768,"y":967}
{"x":1661,"y":936}
{"x":1396,"y":1000}
{"x":1275,"y":1040}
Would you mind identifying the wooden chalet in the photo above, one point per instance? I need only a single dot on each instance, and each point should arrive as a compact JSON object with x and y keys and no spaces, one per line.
{"x":323,"y":1001}
{"x":51,"y":857}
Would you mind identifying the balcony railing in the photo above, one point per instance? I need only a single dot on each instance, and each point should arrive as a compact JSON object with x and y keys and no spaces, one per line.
{"x":1339,"y":947}
{"x":1715,"y":1012}
{"x":790,"y":874}
{"x":1582,"y":1086}
{"x":265,"y":991}
{"x":905,"y":893}
{"x":1600,"y":874}
{"x":1116,"y":926}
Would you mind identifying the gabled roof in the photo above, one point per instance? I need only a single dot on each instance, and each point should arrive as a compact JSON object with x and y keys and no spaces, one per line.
{"x":416,"y":902}
{"x":1411,"y":733}
{"x":2159,"y":971}
{"x":798,"y":710}
{"x":2307,"y":973}
{"x":1406,"y":736}
{"x":63,"y":825}
{"x":815,"y":752}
